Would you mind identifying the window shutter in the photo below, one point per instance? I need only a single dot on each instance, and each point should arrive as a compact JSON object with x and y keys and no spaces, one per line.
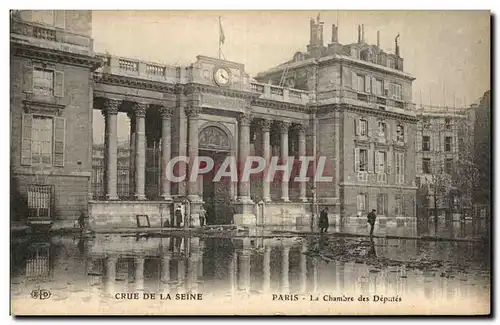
{"x":356,"y":126}
{"x":389,"y":162}
{"x":402,"y":178}
{"x":59,"y":143}
{"x":367,"y":84}
{"x":354,"y":81}
{"x":60,"y":19}
{"x":377,"y":164}
{"x":374,"y":86}
{"x":59,"y":83}
{"x":356,"y":159}
{"x":418,"y":166}
{"x":28,"y":76}
{"x":419,"y":143}
{"x":386,"y":89}
{"x":26,"y":139}
{"x":370,"y":160}
{"x":405,"y":133}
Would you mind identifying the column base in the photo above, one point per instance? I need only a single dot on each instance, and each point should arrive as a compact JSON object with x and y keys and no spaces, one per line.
{"x":195,"y":204}
{"x":244,"y":213}
{"x":303,"y":199}
{"x":267,"y":200}
{"x":167,"y":198}
{"x":245,"y":200}
{"x":285,"y":200}
{"x":110,"y":197}
{"x":140,"y":197}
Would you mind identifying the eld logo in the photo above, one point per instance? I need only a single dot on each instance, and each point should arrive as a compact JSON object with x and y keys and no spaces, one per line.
{"x":40,"y":294}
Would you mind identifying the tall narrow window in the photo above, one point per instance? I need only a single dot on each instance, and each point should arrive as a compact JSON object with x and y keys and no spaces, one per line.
{"x":43,"y":82}
{"x":361,"y":83}
{"x":363,"y":160}
{"x":382,"y":130}
{"x":426,"y":143}
{"x":400,"y":133}
{"x":361,"y":202}
{"x":41,"y":140}
{"x":380,"y":88}
{"x":381,"y":162}
{"x":448,"y":123}
{"x":448,"y":143}
{"x":363,"y":127}
{"x":426,"y":165}
{"x":448,"y":166}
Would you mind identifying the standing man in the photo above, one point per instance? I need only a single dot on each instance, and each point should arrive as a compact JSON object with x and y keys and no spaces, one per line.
{"x":203,"y":212}
{"x":323,"y":220}
{"x":178,"y":216}
{"x":371,"y":220}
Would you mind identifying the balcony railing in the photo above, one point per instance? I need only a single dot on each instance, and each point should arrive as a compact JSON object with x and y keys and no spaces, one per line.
{"x":128,"y":65}
{"x":49,"y":33}
{"x":156,"y":70}
{"x":278,"y":91}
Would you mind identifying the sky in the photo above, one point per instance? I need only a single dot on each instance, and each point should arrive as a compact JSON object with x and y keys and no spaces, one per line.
{"x":448,"y":52}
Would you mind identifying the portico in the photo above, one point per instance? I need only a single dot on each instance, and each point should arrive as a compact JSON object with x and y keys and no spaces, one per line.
{"x":191,"y":115}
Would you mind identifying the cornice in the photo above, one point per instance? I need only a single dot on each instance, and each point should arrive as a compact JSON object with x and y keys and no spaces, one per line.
{"x":26,"y":50}
{"x":115,"y":80}
{"x":368,"y":111}
{"x":269,"y":103}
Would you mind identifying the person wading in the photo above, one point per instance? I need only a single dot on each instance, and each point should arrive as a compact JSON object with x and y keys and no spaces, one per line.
{"x":178,"y":216}
{"x":323,"y":220}
{"x":371,"y":220}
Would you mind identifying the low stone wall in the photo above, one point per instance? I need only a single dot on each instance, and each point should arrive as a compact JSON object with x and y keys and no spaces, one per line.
{"x":123,"y":214}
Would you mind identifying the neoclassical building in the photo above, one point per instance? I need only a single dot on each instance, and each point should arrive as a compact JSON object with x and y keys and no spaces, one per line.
{"x":349,"y":103}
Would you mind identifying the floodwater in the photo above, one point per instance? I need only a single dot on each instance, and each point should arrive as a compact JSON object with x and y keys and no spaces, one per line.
{"x":107,"y":265}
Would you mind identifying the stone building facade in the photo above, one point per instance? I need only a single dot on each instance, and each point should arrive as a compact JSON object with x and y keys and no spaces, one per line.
{"x":349,"y":103}
{"x":363,"y":120}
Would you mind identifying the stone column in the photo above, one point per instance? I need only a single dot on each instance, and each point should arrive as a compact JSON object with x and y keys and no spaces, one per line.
{"x":140,"y":150}
{"x":302,"y":152}
{"x":232,"y":273}
{"x":192,"y":112}
{"x":244,"y":269}
{"x":110,"y":274}
{"x":131,"y":153}
{"x":139,"y":273}
{"x":166,"y":142}
{"x":285,"y":262}
{"x":244,"y":150}
{"x":303,"y":269}
{"x":110,"y":113}
{"x":283,"y":127}
{"x":165,"y":272}
{"x":266,"y":283}
{"x":266,"y":147}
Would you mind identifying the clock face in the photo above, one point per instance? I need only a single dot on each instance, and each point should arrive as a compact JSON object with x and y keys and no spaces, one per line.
{"x":221,"y":76}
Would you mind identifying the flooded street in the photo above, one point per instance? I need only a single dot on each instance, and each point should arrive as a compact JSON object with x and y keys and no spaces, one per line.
{"x":106,"y":267}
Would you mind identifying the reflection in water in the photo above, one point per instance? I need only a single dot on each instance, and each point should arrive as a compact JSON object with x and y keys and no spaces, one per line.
{"x":110,"y":264}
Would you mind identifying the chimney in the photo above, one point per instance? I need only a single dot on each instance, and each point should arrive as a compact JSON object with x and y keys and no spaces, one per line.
{"x":311,"y":31}
{"x":362,"y":33}
{"x":359,"y":33}
{"x":335,"y":36}
{"x":320,"y":28}
{"x":378,"y":38}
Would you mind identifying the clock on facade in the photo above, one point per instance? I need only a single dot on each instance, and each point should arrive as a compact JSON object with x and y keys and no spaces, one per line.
{"x":221,"y":76}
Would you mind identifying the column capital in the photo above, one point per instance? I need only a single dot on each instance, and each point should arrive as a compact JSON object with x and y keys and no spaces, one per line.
{"x":111,"y":106}
{"x":244,"y":119}
{"x":301,"y":127}
{"x":166,"y":112}
{"x":265,"y":125}
{"x":283,"y":126}
{"x":192,"y":111}
{"x":140,"y":109}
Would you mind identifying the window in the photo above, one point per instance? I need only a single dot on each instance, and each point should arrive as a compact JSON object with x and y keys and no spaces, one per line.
{"x":400,"y":133}
{"x":363,"y":127}
{"x":42,"y":140}
{"x":426,"y":165}
{"x":363,"y":160}
{"x":448,"y":166}
{"x":379,"y":87}
{"x":43,"y":82}
{"x":380,"y":161}
{"x":382,"y":130}
{"x":447,"y":144}
{"x":361,"y":83}
{"x":448,"y":123}
{"x":396,"y":91}
{"x":398,"y":205}
{"x":400,"y":168}
{"x":426,"y":123}
{"x":426,"y":143}
{"x":382,"y":204}
{"x":361,"y":202}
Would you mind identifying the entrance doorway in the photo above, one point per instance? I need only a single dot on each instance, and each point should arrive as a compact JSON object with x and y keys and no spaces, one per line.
{"x":215,"y":143}
{"x":216,"y":194}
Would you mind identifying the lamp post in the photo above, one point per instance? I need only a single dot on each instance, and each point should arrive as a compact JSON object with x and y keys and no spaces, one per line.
{"x":313,"y":207}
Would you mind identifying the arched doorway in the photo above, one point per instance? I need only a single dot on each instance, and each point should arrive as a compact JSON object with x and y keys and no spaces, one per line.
{"x":215,"y":142}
